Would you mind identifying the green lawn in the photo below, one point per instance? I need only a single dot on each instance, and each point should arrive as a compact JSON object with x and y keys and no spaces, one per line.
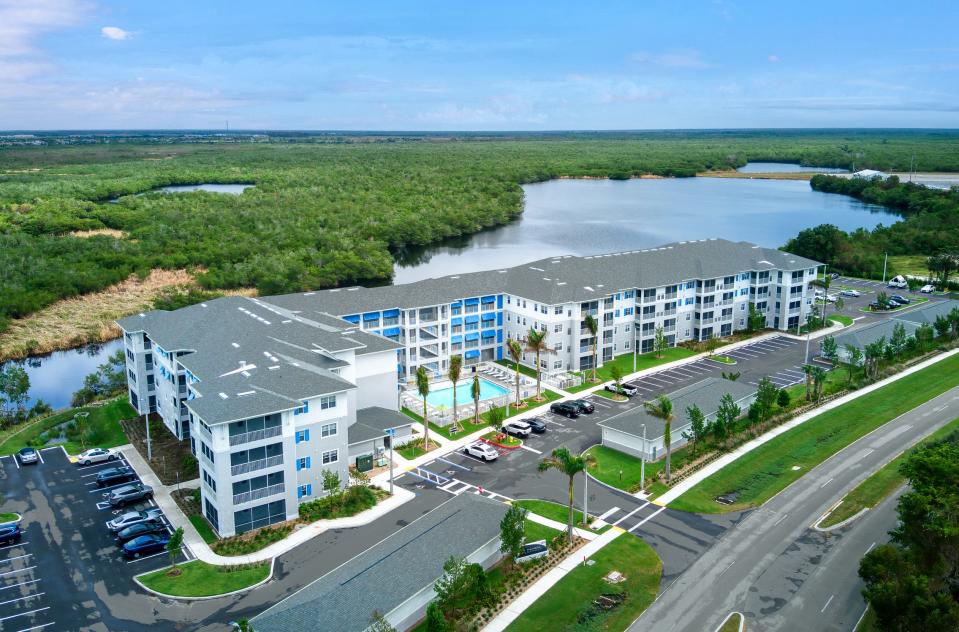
{"x":199,"y":579}
{"x":912,"y":265}
{"x":536,"y":531}
{"x":843,"y":320}
{"x":724,"y":359}
{"x":760,"y":474}
{"x":204,"y":528}
{"x":573,"y":595}
{"x":625,"y":362}
{"x":414,"y":448}
{"x":525,"y":370}
{"x":467,"y":425}
{"x":616,"y":468}
{"x":8,"y":517}
{"x":609,"y":395}
{"x":103,"y":424}
{"x":731,"y":624}
{"x":551,"y":510}
{"x":880,"y":484}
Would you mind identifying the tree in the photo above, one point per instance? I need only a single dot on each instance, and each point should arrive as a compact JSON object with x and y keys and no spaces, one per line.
{"x":897,"y":342}
{"x":732,"y":376}
{"x":14,"y":386}
{"x":829,"y":348}
{"x":943,"y":327}
{"x":697,"y":425}
{"x":883,"y":300}
{"x":662,"y":408}
{"x":818,"y":379}
{"x":244,"y":625}
{"x":660,"y":344}
{"x":435,"y":621}
{"x":515,"y":351}
{"x":566,"y":463}
{"x":496,"y":416}
{"x":942,"y":266}
{"x":923,"y":337}
{"x":453,"y":587}
{"x":728,"y":413}
{"x":378,"y":623}
{"x":616,"y":372}
{"x":591,"y":325}
{"x":839,"y":305}
{"x":782,"y":400}
{"x":766,"y":396}
{"x":873,"y":353}
{"x":423,"y":388}
{"x":807,"y":369}
{"x":756,"y":319}
{"x":475,"y":393}
{"x":173,"y":547}
{"x":331,"y":485}
{"x":456,"y":366}
{"x":536,"y":342}
{"x":512,"y":532}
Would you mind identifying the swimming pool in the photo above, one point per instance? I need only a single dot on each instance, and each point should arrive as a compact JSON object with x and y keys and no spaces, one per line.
{"x":443,"y":397}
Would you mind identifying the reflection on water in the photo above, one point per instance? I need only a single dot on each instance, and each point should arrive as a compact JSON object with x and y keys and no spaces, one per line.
{"x":786,"y":167}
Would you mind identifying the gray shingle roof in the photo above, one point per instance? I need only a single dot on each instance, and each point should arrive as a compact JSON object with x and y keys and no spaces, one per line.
{"x":868,"y":334}
{"x":373,"y":422}
{"x":927,"y":314}
{"x":389,"y":573}
{"x":706,"y":394}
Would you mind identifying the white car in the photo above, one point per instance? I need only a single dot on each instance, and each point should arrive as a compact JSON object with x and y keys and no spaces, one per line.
{"x":481,"y":450}
{"x":927,"y":289}
{"x":852,"y":293}
{"x":517,"y":428}
{"x":831,"y":298}
{"x":96,"y":455}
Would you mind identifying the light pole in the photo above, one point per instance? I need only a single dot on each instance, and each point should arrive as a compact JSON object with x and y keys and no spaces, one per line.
{"x":642,"y":464}
{"x":146,"y":419}
{"x":391,"y":433}
{"x":884,"y":263}
{"x":586,"y":497}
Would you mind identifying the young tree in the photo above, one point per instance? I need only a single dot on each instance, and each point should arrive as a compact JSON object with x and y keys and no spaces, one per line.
{"x":453,"y":588}
{"x":660,"y":344}
{"x":563,"y":461}
{"x":766,"y":396}
{"x":756,"y":319}
{"x":782,"y":400}
{"x":839,"y":305}
{"x":897,"y":342}
{"x":515,"y":351}
{"x":923,"y":337}
{"x":475,"y":394}
{"x":728,"y":413}
{"x":592,"y":326}
{"x":883,"y":300}
{"x":331,"y":485}
{"x":818,"y":378}
{"x":697,"y":426}
{"x":423,"y":388}
{"x":173,"y":547}
{"x":435,"y":621}
{"x":616,"y":372}
{"x":536,"y":342}
{"x":943,"y":327}
{"x":14,"y":386}
{"x":496,"y":416}
{"x":378,"y":623}
{"x":854,"y":357}
{"x":662,"y":408}
{"x":807,"y":369}
{"x":873,"y":353}
{"x":456,"y":366}
{"x":829,"y":348}
{"x":732,"y":376}
{"x":512,"y":532}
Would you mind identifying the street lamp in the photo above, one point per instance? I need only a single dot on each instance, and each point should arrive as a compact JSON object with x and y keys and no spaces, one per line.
{"x":391,"y":433}
{"x":642,"y":464}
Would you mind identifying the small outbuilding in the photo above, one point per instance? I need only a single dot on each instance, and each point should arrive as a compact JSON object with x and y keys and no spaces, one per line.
{"x":375,"y":430}
{"x":869,"y":174}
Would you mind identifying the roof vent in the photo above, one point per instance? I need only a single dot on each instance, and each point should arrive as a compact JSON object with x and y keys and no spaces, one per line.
{"x":235,"y":346}
{"x":223,"y":395}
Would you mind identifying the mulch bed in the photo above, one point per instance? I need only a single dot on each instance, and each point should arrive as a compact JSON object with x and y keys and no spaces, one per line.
{"x":170,"y":456}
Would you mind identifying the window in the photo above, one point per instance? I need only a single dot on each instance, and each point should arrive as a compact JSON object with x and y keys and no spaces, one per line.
{"x":304,"y":490}
{"x":302,"y":410}
{"x":327,"y":402}
{"x":558,"y":328}
{"x":558,"y":310}
{"x":209,"y":480}
{"x":331,"y":456}
{"x":207,"y":452}
{"x":558,"y":364}
{"x":328,"y":430}
{"x":302,"y":435}
{"x":303,"y":463}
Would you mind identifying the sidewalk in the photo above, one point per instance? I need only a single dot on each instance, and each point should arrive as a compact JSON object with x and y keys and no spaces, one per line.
{"x":560,"y":526}
{"x":696,"y":478}
{"x":301,"y":533}
{"x":547,"y":581}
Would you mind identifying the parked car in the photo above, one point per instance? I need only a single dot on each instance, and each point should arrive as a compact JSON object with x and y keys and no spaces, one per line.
{"x":517,"y":428}
{"x":852,"y":293}
{"x":831,"y":298}
{"x":10,"y":532}
{"x":891,"y":304}
{"x":28,"y":456}
{"x":585,"y":407}
{"x":114,"y":476}
{"x":96,"y":455}
{"x":875,"y":306}
{"x":819,"y":294}
{"x":136,"y":530}
{"x":130,"y":494}
{"x":624,"y":389}
{"x":481,"y":450}
{"x":145,"y":544}
{"x":898,"y":282}
{"x":131,"y":518}
{"x":564,"y":408}
{"x":927,"y":289}
{"x":537,"y":425}
{"x":834,"y":275}
{"x":900,"y":299}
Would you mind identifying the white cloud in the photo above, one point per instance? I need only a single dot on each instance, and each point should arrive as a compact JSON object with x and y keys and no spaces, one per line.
{"x":677,"y":58}
{"x":115,"y":33}
{"x":21,"y":23}
{"x":773,"y":59}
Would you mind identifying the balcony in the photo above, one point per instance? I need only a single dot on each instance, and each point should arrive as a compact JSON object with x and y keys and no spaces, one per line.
{"x":256,"y":435}
{"x":260,"y":464}
{"x":257,"y":494}
{"x":429,"y":351}
{"x":728,"y":301}
{"x":670,"y":329}
{"x":669,"y":312}
{"x":670,"y":295}
{"x":429,"y":333}
{"x":706,"y":321}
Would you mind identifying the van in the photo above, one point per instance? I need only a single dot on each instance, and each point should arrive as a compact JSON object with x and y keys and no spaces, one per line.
{"x":898,"y":281}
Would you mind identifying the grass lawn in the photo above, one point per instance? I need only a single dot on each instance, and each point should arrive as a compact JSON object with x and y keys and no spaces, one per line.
{"x":467,"y":426}
{"x":731,"y":624}
{"x":525,"y":370}
{"x":536,"y":531}
{"x":912,"y":265}
{"x":104,"y":424}
{"x":625,"y":363}
{"x":843,"y":320}
{"x":551,"y":510}
{"x":880,"y":484}
{"x":622,"y":470}
{"x":8,"y":517}
{"x":616,"y":397}
{"x":725,"y":359}
{"x":414,"y":448}
{"x":573,"y":595}
{"x":204,"y":528}
{"x":760,"y":474}
{"x":199,"y":579}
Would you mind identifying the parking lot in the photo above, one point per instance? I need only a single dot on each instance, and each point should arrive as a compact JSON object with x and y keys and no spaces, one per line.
{"x":66,"y":564}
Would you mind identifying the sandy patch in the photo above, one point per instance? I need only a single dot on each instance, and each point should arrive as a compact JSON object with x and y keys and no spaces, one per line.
{"x":109,"y":232}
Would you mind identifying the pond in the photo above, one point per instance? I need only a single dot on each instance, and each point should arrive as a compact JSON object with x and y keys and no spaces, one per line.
{"x":584,"y":217}
{"x":785,"y":167}
{"x":232,"y":189}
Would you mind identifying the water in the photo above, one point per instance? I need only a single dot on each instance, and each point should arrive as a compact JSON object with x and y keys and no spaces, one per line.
{"x":584,"y":217}
{"x":443,"y":398}
{"x":55,"y":377}
{"x":786,"y":167}
{"x":233,"y":189}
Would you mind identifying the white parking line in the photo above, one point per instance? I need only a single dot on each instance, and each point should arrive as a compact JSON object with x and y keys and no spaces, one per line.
{"x":608,"y":513}
{"x":656,"y":378}
{"x":22,"y":570}
{"x":534,"y":450}
{"x":23,"y":614}
{"x":10,"y":546}
{"x":646,"y":519}
{"x":37,"y":627}
{"x":16,"y":461}
{"x":681,"y":370}
{"x":3,"y":603}
{"x":148,"y":557}
{"x":18,"y":557}
{"x":550,"y":421}
{"x":31,"y":581}
{"x":439,"y":458}
{"x":470,"y":456}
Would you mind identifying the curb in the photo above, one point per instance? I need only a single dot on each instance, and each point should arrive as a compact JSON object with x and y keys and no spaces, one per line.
{"x":500,"y":445}
{"x":838,"y":525}
{"x":16,"y":520}
{"x":742,"y":621}
{"x":157,"y":593}
{"x":720,"y":362}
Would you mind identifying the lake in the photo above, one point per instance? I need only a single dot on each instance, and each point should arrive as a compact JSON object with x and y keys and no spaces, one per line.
{"x":233,"y":189}
{"x":785,"y":167}
{"x":585,"y":217}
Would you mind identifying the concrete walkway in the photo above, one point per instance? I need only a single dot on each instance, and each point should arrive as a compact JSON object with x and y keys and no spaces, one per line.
{"x":560,"y":526}
{"x":699,"y":476}
{"x":543,"y":584}
{"x":301,"y":533}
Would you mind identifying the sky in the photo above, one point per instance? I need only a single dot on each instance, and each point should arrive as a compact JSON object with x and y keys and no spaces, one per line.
{"x":144,"y":64}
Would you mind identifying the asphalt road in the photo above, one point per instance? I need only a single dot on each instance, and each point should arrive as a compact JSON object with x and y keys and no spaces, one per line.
{"x":774,"y":568}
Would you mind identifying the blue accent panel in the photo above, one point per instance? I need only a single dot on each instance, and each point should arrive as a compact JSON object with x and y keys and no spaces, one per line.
{"x":499,"y":302}
{"x":499,"y":319}
{"x":472,"y":336}
{"x":499,"y":353}
{"x":392,"y":331}
{"x":391,"y":313}
{"x":456,"y":339}
{"x":472,"y":301}
{"x":456,"y":321}
{"x":472,"y":319}
{"x":488,"y":316}
{"x":499,"y":336}
{"x":489,"y":333}
{"x":371,"y":316}
{"x":471,"y":354}
{"x":353,"y":318}
{"x":489,"y":299}
{"x":456,"y":304}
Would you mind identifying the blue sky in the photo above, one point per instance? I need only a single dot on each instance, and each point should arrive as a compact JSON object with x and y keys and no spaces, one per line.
{"x":89,"y":64}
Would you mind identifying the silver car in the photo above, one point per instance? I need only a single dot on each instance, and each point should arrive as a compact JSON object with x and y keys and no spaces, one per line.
{"x":96,"y":455}
{"x":133,"y":517}
{"x":28,"y":456}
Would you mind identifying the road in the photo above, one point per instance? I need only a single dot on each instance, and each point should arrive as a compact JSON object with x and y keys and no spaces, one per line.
{"x":776,"y":570}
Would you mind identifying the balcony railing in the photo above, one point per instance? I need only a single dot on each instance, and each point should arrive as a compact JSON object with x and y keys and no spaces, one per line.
{"x":257,"y":494}
{"x":259,"y":464}
{"x":256,"y":435}
{"x":727,"y":301}
{"x":209,"y":490}
{"x":670,"y":295}
{"x":669,"y":329}
{"x":706,"y":321}
{"x":669,"y":312}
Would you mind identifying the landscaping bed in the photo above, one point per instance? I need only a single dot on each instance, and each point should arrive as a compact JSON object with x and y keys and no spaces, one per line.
{"x":502,"y":440}
{"x":414,"y":448}
{"x":10,"y":516}
{"x":722,"y":359}
{"x":616,"y":397}
{"x":102,"y":429}
{"x":172,"y":460}
{"x":199,"y":579}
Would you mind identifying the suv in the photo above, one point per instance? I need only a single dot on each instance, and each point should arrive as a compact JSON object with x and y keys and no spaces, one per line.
{"x":585,"y":407}
{"x":928,"y":288}
{"x":95,"y":455}
{"x":131,"y":518}
{"x":10,"y":532}
{"x":567,"y":409}
{"x":517,"y":428}
{"x":624,"y":389}
{"x":136,"y":530}
{"x":130,"y":494}
{"x":481,"y":450}
{"x":28,"y":456}
{"x":114,"y":476}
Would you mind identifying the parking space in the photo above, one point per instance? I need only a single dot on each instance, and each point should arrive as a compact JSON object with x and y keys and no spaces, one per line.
{"x":67,"y":561}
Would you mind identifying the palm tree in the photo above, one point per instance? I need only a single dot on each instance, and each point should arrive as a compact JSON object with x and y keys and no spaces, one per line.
{"x":475,"y":392}
{"x":663,"y":409}
{"x":592,"y":326}
{"x":423,"y":388}
{"x":818,"y":378}
{"x":569,"y":465}
{"x":456,"y":365}
{"x":515,"y":353}
{"x":808,"y":369}
{"x":536,"y":342}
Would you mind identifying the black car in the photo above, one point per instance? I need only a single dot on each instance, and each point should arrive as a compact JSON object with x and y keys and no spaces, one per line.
{"x":132,"y":493}
{"x":900,"y":299}
{"x":585,"y":407}
{"x":567,"y":409}
{"x":875,"y":306}
{"x":10,"y":532}
{"x":115,"y":476}
{"x":141,"y":528}
{"x":538,"y":426}
{"x":145,"y":544}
